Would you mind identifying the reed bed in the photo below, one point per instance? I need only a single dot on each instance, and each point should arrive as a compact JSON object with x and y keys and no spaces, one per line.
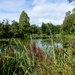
{"x":30,"y":60}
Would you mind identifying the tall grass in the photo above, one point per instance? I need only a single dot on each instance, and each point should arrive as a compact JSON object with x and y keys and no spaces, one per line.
{"x":30,"y":60}
{"x":15,"y":62}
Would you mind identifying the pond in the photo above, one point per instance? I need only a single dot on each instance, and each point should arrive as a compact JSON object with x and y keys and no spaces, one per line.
{"x":46,"y":44}
{"x":43,"y":44}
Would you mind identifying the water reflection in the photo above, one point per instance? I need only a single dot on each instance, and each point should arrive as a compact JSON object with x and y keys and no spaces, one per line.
{"x":45,"y":45}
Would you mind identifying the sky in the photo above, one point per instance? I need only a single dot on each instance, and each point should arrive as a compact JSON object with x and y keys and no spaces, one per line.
{"x":39,"y":11}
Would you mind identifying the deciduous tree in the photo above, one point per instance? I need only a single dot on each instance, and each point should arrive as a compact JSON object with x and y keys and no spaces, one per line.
{"x":24,"y":25}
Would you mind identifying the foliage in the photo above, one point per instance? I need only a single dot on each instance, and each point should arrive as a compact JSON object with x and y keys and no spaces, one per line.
{"x":14,"y":29}
{"x":69,"y":24}
{"x":34,"y":29}
{"x":4,"y":29}
{"x":68,"y":13}
{"x":49,"y":28}
{"x":30,"y":60}
{"x":24,"y":25}
{"x":73,"y":11}
{"x":43,"y":28}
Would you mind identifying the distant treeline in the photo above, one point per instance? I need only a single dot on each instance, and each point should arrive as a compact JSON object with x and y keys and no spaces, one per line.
{"x":23,"y":28}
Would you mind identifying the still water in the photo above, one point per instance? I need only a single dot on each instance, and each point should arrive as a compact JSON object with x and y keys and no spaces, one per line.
{"x":46,"y":44}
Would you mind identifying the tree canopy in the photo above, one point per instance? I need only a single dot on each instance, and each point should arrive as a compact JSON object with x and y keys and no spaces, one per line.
{"x":23,"y":28}
{"x":68,"y":26}
{"x":24,"y":24}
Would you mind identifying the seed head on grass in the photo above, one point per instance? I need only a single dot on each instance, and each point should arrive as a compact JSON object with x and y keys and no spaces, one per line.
{"x":37,"y":52}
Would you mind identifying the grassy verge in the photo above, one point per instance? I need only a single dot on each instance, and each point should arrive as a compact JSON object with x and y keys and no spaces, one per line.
{"x":71,"y":36}
{"x":30,"y":60}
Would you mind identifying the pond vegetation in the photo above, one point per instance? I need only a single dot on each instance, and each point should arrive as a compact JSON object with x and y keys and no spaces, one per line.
{"x":32,"y":60}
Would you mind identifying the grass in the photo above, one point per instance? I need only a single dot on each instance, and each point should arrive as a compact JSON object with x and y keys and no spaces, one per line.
{"x":30,"y":60}
{"x":71,"y":36}
{"x":58,"y":35}
{"x":38,"y":36}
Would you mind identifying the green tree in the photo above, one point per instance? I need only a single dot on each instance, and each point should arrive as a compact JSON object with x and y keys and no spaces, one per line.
{"x":24,"y":25}
{"x":1,"y":30}
{"x":34,"y":29}
{"x":14,"y":29}
{"x":73,"y":27}
{"x":50,"y":28}
{"x":5,"y":27}
{"x":69,"y":24}
{"x":57,"y":29}
{"x":73,"y":11}
{"x":68,"y":13}
{"x":43,"y":28}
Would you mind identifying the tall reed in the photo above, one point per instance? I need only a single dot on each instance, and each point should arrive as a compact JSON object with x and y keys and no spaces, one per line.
{"x":27,"y":59}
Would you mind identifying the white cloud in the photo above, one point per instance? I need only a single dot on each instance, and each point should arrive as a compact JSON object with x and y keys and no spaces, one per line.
{"x":49,"y":12}
{"x":12,"y":5}
{"x":39,"y":11}
{"x":11,"y":9}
